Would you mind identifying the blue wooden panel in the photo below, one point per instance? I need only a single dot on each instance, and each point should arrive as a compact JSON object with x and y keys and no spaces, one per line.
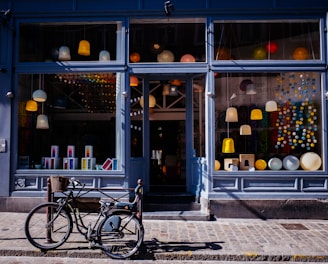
{"x":272,"y":184}
{"x":314,"y":184}
{"x":302,"y":4}
{"x":238,"y":4}
{"x":41,"y":6}
{"x":225,"y":184}
{"x":103,"y":5}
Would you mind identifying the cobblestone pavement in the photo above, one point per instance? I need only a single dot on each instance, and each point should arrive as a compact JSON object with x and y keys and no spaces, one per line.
{"x":217,"y":241}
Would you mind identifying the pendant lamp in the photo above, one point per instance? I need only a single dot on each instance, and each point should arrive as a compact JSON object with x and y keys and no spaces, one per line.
{"x":250,"y":89}
{"x":42,"y":122}
{"x":64,"y":53}
{"x":231,"y":114}
{"x":228,"y":146}
{"x":134,"y":81}
{"x":31,"y":106}
{"x":104,"y":55}
{"x":84,"y":47}
{"x":256,"y":114}
{"x":271,"y":106}
{"x":39,"y":95}
{"x":166,"y":89}
{"x":245,"y":130}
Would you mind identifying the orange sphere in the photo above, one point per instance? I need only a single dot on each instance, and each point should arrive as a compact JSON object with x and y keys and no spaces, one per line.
{"x":134,"y":57}
{"x":222,"y":54}
{"x":187,"y":58}
{"x":300,"y":53}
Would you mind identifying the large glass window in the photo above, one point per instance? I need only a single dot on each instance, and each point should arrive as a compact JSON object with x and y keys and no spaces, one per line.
{"x":269,"y":121}
{"x":68,"y":121}
{"x":69,"y":42}
{"x":163,"y":40}
{"x":263,"y":40}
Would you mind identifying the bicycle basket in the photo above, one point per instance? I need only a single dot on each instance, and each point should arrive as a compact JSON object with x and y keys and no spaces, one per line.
{"x":59,"y":183}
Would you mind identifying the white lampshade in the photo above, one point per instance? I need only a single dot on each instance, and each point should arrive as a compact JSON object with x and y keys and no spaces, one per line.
{"x":250,"y":89}
{"x":231,"y":114}
{"x":271,"y":106}
{"x":104,"y":55}
{"x":42,"y":122}
{"x":64,"y":53}
{"x":245,"y":130}
{"x":39,"y":96}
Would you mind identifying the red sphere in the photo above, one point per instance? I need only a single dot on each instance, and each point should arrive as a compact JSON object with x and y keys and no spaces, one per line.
{"x":271,"y":47}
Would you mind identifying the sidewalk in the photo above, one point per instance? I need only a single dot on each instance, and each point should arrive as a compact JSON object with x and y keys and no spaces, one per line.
{"x":223,"y":239}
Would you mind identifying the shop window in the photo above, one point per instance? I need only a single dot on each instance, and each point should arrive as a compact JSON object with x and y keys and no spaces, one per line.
{"x":267,"y":40}
{"x":166,"y":41}
{"x":68,"y":121}
{"x":69,"y":42}
{"x":269,"y":121}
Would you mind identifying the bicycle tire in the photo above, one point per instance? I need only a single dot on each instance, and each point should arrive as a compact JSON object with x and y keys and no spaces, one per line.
{"x":48,"y":231}
{"x":124,"y":240}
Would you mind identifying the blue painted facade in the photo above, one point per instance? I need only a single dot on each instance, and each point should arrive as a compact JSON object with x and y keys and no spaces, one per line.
{"x":202,"y":180}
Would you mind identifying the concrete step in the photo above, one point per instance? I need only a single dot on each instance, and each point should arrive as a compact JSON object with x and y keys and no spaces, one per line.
{"x":176,"y":215}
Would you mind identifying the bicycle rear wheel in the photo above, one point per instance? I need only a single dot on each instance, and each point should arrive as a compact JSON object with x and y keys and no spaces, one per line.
{"x":120,"y":235}
{"x":48,"y":226}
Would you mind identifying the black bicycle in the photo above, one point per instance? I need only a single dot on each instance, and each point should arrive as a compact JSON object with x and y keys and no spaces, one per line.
{"x":116,"y":228}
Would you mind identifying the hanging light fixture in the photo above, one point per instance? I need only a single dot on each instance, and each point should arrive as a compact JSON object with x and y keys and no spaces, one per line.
{"x":256,"y":114}
{"x":152,"y":102}
{"x":271,"y":106}
{"x":134,"y":81}
{"x":42,"y":121}
{"x":250,"y":89}
{"x":84,"y":47}
{"x":231,"y":114}
{"x":39,"y":95}
{"x":31,"y":105}
{"x":245,"y":130}
{"x":64,"y":53}
{"x":166,"y":89}
{"x":104,"y":54}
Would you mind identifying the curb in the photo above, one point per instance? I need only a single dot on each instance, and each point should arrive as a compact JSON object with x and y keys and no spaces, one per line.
{"x":144,"y":255}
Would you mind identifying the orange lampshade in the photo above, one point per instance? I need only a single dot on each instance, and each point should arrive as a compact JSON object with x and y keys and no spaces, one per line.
{"x":134,"y":81}
{"x":84,"y":48}
{"x":31,"y":106}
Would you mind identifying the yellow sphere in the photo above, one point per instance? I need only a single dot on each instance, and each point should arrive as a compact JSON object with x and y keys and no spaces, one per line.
{"x":260,"y":164}
{"x":260,"y":54}
{"x":217,"y":165}
{"x":300,"y":54}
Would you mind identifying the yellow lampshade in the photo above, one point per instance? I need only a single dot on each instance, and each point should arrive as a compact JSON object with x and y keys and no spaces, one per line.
{"x":134,"y":81}
{"x":231,"y":114}
{"x":256,"y":114}
{"x":228,"y":145}
{"x":245,"y":130}
{"x":84,"y":48}
{"x":271,"y":106}
{"x":31,"y":106}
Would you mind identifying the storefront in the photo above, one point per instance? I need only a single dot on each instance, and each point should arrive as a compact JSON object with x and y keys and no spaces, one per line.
{"x":236,"y":100}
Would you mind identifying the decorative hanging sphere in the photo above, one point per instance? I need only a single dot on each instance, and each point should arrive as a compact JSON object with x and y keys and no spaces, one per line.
{"x":165,"y":56}
{"x":187,"y":58}
{"x":260,"y":164}
{"x":271,"y":47}
{"x":217,"y":165}
{"x":275,"y":164}
{"x":291,"y":162}
{"x":134,"y":57}
{"x":260,"y":53}
{"x":222,"y":54}
{"x":300,"y":53}
{"x":310,"y":161}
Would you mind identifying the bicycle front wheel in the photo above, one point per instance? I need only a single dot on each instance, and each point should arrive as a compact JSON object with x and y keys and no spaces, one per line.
{"x":48,"y":226}
{"x":120,"y":235}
